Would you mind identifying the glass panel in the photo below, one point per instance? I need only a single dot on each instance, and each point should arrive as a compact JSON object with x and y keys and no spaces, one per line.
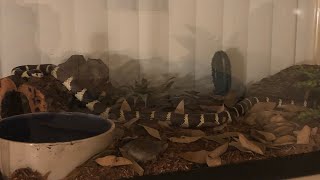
{"x":243,"y":73}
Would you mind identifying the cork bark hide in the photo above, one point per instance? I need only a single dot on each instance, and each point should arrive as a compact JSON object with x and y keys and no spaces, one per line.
{"x":35,"y":98}
{"x":48,"y":94}
{"x":7,"y":86}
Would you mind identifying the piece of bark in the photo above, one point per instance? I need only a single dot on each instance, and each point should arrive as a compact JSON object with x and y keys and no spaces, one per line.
{"x":6,"y":86}
{"x":35,"y":98}
{"x":48,"y":94}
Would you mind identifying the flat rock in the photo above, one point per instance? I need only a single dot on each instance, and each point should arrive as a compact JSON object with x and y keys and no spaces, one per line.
{"x":143,"y":150}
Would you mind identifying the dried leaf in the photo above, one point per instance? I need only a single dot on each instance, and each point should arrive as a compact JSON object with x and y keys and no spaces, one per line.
{"x":277,"y":119}
{"x":220,"y":138}
{"x":135,"y":166}
{"x":260,"y":118}
{"x":272,"y":146}
{"x":250,"y":145}
{"x":231,"y":98}
{"x":286,"y":115}
{"x":103,"y":94}
{"x":196,"y":157}
{"x":283,"y":130}
{"x":261,"y":135}
{"x":184,"y":139}
{"x":263,"y":106}
{"x":192,"y":92}
{"x":213,"y":162}
{"x":112,"y":161}
{"x":216,"y":139}
{"x":239,"y":147}
{"x":303,"y":136}
{"x":292,"y":108}
{"x":228,"y":135}
{"x":120,"y":100}
{"x":130,"y":122}
{"x":273,"y":126}
{"x":192,"y":132}
{"x":220,"y":109}
{"x":220,"y":128}
{"x":314,"y":131}
{"x":164,"y":124}
{"x":295,"y":133}
{"x":46,"y":175}
{"x":125,"y":106}
{"x":180,"y":108}
{"x":284,"y":140}
{"x":152,"y":132}
{"x":218,"y":151}
{"x":251,"y":119}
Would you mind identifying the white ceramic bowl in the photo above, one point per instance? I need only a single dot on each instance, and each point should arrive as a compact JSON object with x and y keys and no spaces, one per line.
{"x":26,"y":142}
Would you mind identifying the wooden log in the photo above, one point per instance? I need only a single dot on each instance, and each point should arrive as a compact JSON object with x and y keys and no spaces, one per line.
{"x":48,"y":94}
{"x":40,"y":95}
{"x":35,"y":98}
{"x":6,"y":85}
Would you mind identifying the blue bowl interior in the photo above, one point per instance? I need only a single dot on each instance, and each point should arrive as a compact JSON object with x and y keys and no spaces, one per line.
{"x":52,"y":127}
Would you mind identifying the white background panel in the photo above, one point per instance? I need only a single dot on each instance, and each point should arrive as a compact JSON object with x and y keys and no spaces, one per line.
{"x":56,"y":30}
{"x":305,"y":31}
{"x":235,"y":36}
{"x":259,"y":39}
{"x":284,"y":31}
{"x":152,"y":38}
{"x":182,"y":21}
{"x":208,"y":39}
{"x":90,"y":28}
{"x":123,"y":40}
{"x":20,"y":38}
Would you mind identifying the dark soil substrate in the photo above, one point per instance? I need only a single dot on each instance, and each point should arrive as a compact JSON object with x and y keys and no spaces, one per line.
{"x":285,"y":83}
{"x":169,"y":161}
{"x":26,"y":174}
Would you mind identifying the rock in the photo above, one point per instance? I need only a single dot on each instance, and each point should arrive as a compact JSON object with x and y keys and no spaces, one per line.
{"x":143,"y":150}
{"x":72,"y":64}
{"x":221,"y":73}
{"x":91,"y":74}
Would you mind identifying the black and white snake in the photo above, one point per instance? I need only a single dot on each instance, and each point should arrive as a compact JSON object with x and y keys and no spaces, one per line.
{"x":175,"y":119}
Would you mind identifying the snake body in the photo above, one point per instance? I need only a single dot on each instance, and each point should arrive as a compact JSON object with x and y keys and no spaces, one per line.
{"x":173,"y":118}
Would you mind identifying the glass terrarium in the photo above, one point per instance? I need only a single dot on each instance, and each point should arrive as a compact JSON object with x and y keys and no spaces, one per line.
{"x":188,"y":88}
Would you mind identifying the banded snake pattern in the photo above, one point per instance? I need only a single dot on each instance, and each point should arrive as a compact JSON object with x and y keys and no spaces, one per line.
{"x":175,"y":119}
